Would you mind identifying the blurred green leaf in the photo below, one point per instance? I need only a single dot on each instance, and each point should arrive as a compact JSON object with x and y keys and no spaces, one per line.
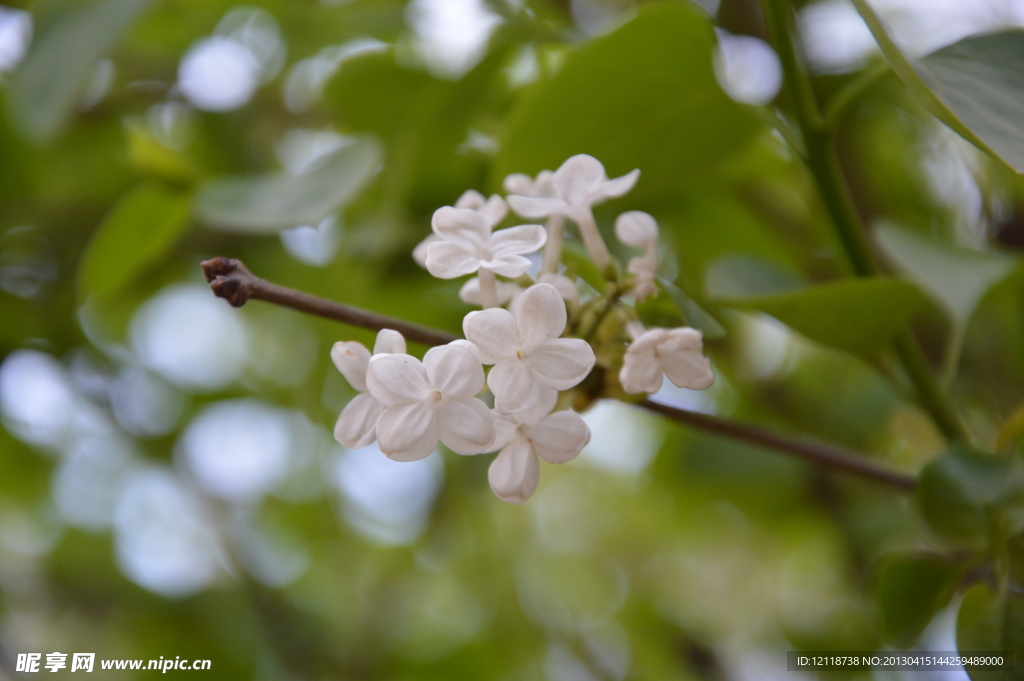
{"x":140,"y":228}
{"x":975,"y":86}
{"x":269,"y":203}
{"x":1012,"y":428}
{"x":956,"y":277}
{"x":692,"y":313}
{"x":856,"y":315}
{"x":987,"y":622}
{"x":911,"y":589}
{"x":744,"y":276}
{"x":643,"y":96}
{"x":46,"y":88}
{"x":961,"y":493}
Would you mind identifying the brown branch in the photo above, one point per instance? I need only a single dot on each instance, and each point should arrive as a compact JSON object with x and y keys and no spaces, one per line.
{"x":229,"y":279}
{"x":825,"y":455}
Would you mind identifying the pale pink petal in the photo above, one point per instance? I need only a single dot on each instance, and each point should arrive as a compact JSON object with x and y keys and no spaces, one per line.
{"x":419,"y":254}
{"x":511,"y":266}
{"x":461,"y":225}
{"x":505,"y":427}
{"x":471,"y":199}
{"x":352,"y":358}
{"x":636,"y":228}
{"x":540,"y":315}
{"x":536,"y":206}
{"x":494,"y":211}
{"x":356,"y":427}
{"x":578,"y":177}
{"x":493,"y":332}
{"x":466,"y":424}
{"x":561,"y":363}
{"x":397,"y":379}
{"x":641,"y":373}
{"x":514,"y":473}
{"x":389,"y":342}
{"x":454,"y":371}
{"x":564,"y":285}
{"x":407,"y":432}
{"x":614,"y":188}
{"x":648,"y":340}
{"x":518,"y":240}
{"x":685,"y":367}
{"x":687,"y":338}
{"x":560,"y":437}
{"x":450,"y":259}
{"x":515,"y":386}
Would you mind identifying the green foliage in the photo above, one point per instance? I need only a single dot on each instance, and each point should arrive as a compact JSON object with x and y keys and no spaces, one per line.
{"x":643,"y":96}
{"x":911,"y":589}
{"x":988,"y":621}
{"x":278,"y":201}
{"x":137,"y":233}
{"x":47,"y":87}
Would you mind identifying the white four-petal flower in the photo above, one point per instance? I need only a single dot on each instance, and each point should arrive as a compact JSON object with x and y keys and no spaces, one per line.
{"x":522,"y":437}
{"x":493,"y":210}
{"x":529,"y":357}
{"x":429,"y":401}
{"x":579,"y":184}
{"x":466,"y":244}
{"x":676,"y":353}
{"x":355,"y":426}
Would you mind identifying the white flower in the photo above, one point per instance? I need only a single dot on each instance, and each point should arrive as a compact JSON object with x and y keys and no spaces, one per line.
{"x":467,"y":245}
{"x":674,"y":352}
{"x":639,"y":229}
{"x":579,"y":183}
{"x":524,"y":185}
{"x":507,"y":292}
{"x":355,"y":426}
{"x":492,"y":210}
{"x":556,"y":438}
{"x":530,"y":359}
{"x":429,"y":401}
{"x":564,"y":285}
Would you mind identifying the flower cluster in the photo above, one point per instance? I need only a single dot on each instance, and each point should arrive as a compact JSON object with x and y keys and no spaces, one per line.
{"x":535,"y":332}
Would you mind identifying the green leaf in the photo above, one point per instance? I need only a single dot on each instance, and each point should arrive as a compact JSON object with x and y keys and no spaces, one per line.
{"x":957,"y":278}
{"x":987,"y":622}
{"x":961,"y":493}
{"x":269,"y":203}
{"x":743,"y":276}
{"x":910,"y":590}
{"x":46,"y":88}
{"x":975,"y":86}
{"x":692,"y":313}
{"x":859,"y":316}
{"x":141,"y":228}
{"x":643,"y":96}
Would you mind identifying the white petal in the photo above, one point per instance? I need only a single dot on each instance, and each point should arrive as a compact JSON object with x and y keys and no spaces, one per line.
{"x":560,"y":437}
{"x":471,"y":199}
{"x":540,"y":315}
{"x":461,"y":342}
{"x":648,"y":340}
{"x":470,"y":292}
{"x":641,"y":373}
{"x":493,"y":332}
{"x":518,"y":240}
{"x":454,"y":371}
{"x":545,"y":403}
{"x":494,"y":211}
{"x":514,"y":473}
{"x":407,"y":432}
{"x":615,"y":188}
{"x":578,"y":177}
{"x":518,"y":183}
{"x":511,"y":266}
{"x":505,"y":427}
{"x":515,"y":386}
{"x":450,"y":259}
{"x":461,"y":224}
{"x":636,"y":228}
{"x":419,"y":254}
{"x":397,"y":379}
{"x":356,"y":427}
{"x":352,"y":358}
{"x":466,"y":425}
{"x":536,"y":206}
{"x":561,"y":363}
{"x":564,"y":285}
{"x":683,"y":362}
{"x":389,"y":342}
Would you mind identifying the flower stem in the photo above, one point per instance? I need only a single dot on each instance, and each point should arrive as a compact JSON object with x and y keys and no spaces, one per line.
{"x":553,"y":249}
{"x":595,"y":244}
{"x":823,"y":162}
{"x":488,"y":288}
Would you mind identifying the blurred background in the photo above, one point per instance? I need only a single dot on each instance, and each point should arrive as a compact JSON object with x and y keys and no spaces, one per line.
{"x":169,"y":484}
